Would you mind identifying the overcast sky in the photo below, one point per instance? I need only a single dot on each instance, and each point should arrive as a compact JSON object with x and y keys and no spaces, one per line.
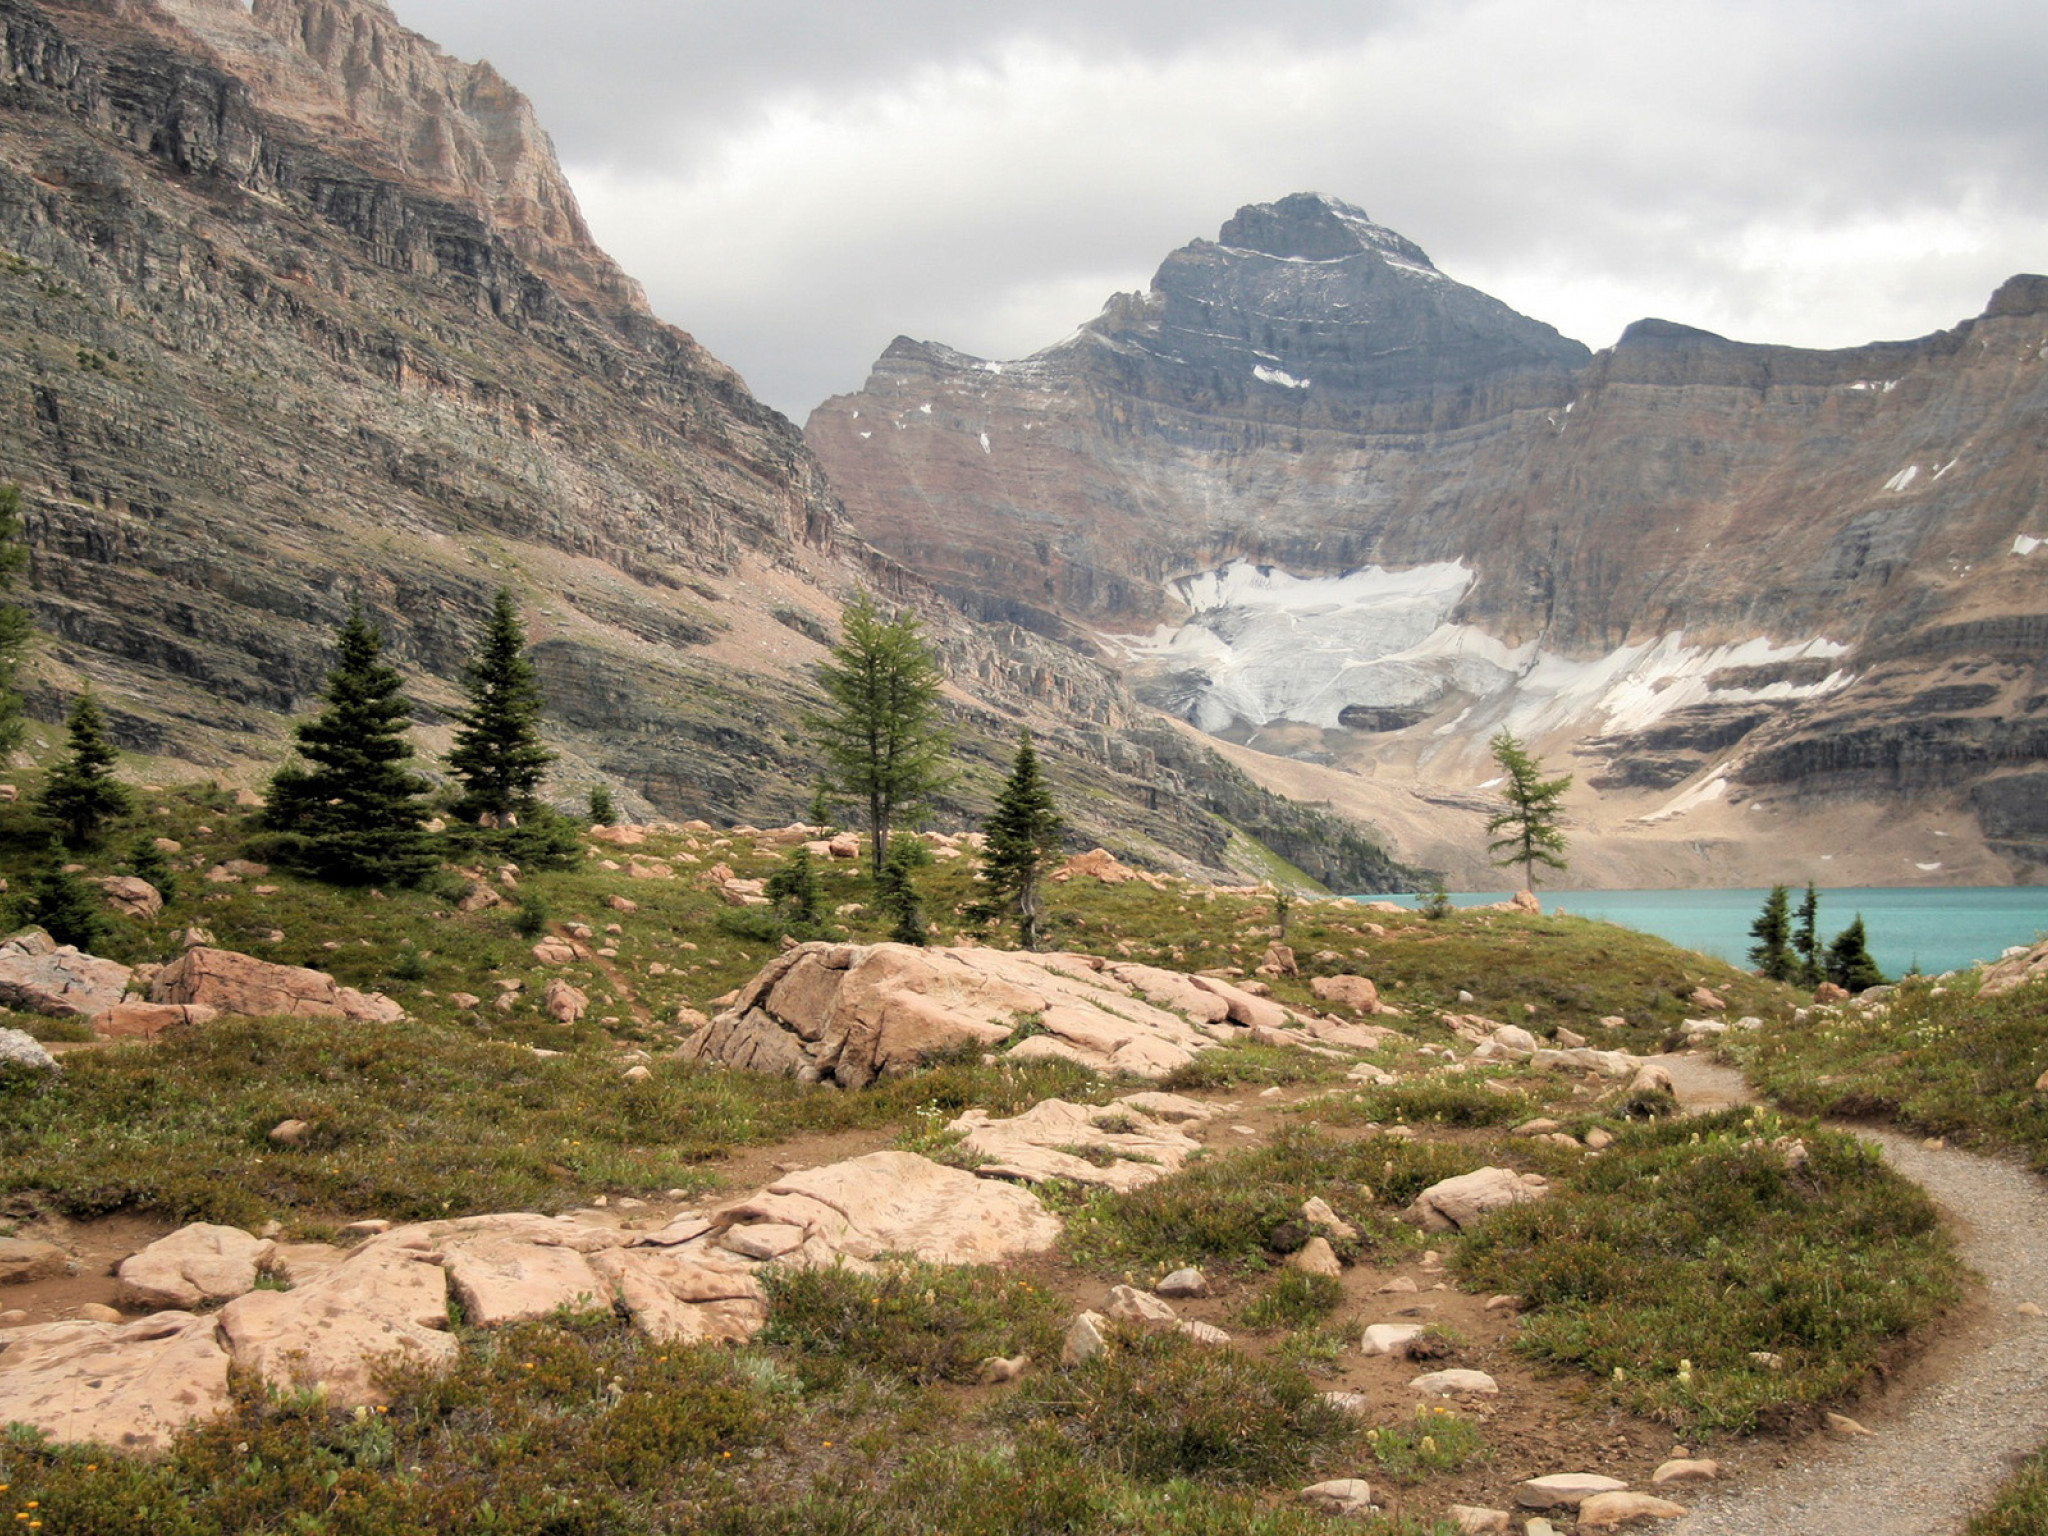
{"x":798,"y":181}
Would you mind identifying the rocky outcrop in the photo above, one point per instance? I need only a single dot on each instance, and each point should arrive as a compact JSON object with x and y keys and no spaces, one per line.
{"x":127,"y":1385}
{"x":853,"y":1013}
{"x":194,"y":1267}
{"x":39,"y":975}
{"x":1121,"y":1146}
{"x":227,"y":982}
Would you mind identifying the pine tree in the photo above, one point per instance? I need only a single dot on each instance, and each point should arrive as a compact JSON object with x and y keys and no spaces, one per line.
{"x":1806,"y":940}
{"x":15,"y":631}
{"x":351,"y":813}
{"x":794,"y":885}
{"x":149,"y":863}
{"x":897,"y":893}
{"x":64,"y":907}
{"x":1772,"y":953}
{"x":885,"y":748}
{"x":81,"y":795}
{"x":1023,"y":836}
{"x":1849,"y":963}
{"x":498,"y":754}
{"x":603,"y":811}
{"x":1532,"y":814}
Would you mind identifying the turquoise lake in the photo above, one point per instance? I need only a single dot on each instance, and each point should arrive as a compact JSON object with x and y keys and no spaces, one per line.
{"x":1937,"y":928}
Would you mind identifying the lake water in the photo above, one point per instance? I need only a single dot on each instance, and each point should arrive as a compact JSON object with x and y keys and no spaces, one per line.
{"x":1938,"y":928}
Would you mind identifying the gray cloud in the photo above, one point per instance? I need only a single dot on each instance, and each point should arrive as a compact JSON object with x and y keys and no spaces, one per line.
{"x":796,"y":181}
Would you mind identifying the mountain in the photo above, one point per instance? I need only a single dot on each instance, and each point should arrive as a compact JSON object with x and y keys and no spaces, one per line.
{"x":1781,"y":609}
{"x":297,"y":310}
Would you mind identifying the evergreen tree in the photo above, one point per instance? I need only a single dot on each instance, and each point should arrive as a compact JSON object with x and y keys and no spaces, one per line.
{"x":1437,"y":905}
{"x":603,"y":812}
{"x":884,"y":746}
{"x":1806,"y":940}
{"x":1023,"y":835}
{"x":1849,"y":963}
{"x":498,"y":754}
{"x":794,"y":885}
{"x":897,"y":893}
{"x":351,"y":812}
{"x":63,"y":906}
{"x":1772,"y":953}
{"x":15,"y":631}
{"x":1532,"y":813}
{"x":81,"y":795}
{"x":149,"y":863}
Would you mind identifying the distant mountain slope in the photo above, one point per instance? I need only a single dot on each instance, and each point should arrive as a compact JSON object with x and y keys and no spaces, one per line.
{"x":295,"y":309}
{"x":1379,"y":515}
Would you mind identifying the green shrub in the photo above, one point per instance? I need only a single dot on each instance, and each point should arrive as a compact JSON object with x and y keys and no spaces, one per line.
{"x":2021,"y":1508}
{"x":1157,"y":1406}
{"x":1293,"y":1301}
{"x":1434,"y":1440}
{"x":920,"y":1321}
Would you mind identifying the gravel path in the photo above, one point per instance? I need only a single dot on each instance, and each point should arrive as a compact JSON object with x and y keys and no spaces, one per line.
{"x":1938,"y":1455}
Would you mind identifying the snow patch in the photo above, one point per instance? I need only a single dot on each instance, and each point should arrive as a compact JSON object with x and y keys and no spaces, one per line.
{"x":1881,"y":386}
{"x":2022,"y":545}
{"x":865,"y":436}
{"x":984,"y":444}
{"x":1260,"y":645}
{"x":1714,"y":787}
{"x":1903,"y":479}
{"x":1279,"y":376}
{"x":1928,"y":868}
{"x":925,"y":409}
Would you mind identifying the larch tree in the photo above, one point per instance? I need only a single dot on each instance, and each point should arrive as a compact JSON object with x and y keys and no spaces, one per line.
{"x":351,"y":812}
{"x":1527,"y":828}
{"x":1023,"y":835}
{"x":884,"y":743}
{"x":498,"y":753}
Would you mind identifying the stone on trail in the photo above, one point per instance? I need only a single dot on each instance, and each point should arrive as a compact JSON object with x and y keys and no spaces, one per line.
{"x":131,"y":1386}
{"x":1683,"y":1469}
{"x":853,"y":1013}
{"x":1842,"y":1424}
{"x":1391,"y":1338}
{"x":38,"y":975}
{"x":1316,"y":1257}
{"x":1652,"y":1077}
{"x":1565,"y":1490}
{"x":1456,"y":1384}
{"x":1317,"y":1213}
{"x":193,"y":1267}
{"x":1341,"y":1496}
{"x":1474,"y":1521}
{"x":553,"y":951}
{"x":1606,"y":1511}
{"x":1202,"y":1333}
{"x":1455,"y":1204}
{"x":1127,"y":1304}
{"x":25,"y":1260}
{"x":1183,"y":1284}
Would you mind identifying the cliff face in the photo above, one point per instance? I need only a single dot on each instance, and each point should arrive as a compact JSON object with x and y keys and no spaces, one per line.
{"x":1317,"y":495}
{"x":297,"y":310}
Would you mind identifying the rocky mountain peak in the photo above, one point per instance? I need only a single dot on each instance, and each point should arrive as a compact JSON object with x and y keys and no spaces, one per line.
{"x":1307,"y":226}
{"x":395,"y":103}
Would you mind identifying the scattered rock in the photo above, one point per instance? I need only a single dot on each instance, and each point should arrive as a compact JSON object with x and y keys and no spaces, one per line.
{"x":1355,"y":992}
{"x":1570,"y":1039}
{"x":1828,"y":992}
{"x":132,"y":897}
{"x":1605,"y":1511}
{"x":564,"y":1004}
{"x":147,"y":1021}
{"x":37,"y":975}
{"x":1203,"y":1333}
{"x":1317,"y":1213}
{"x":1087,"y":1337}
{"x":843,"y":847}
{"x":233,"y":983}
{"x":995,"y":1370}
{"x":1454,"y":1204}
{"x":195,"y":1266}
{"x":465,"y":1000}
{"x":1183,"y":1284}
{"x":2005,"y":975}
{"x":1396,"y":1339}
{"x":622,"y":904}
{"x":21,"y":1049}
{"x":1096,"y":864}
{"x":99,"y":1312}
{"x":1503,"y":1304}
{"x":554,"y":951}
{"x":1349,"y":1402}
{"x":1127,"y":1304}
{"x":2028,"y":1309}
{"x":1703,"y":998}
{"x":290,"y":1133}
{"x":1599,"y":1139}
{"x":1343,"y":1496}
{"x":1565,"y":1490}
{"x":1400,"y":1285}
{"x":479,"y":898}
{"x":1842,"y":1424}
{"x":1456,"y":1384}
{"x":25,"y":1260}
{"x":1651,"y":1077}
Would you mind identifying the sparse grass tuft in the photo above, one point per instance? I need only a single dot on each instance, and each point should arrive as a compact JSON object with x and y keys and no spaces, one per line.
{"x":2021,"y":1508}
{"x":922,"y":1322}
{"x":1295,"y":1300}
{"x":1434,"y":1440}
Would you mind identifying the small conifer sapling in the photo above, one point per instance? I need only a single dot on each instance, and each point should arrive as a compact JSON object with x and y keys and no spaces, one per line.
{"x":1023,"y":835}
{"x":82,"y":795}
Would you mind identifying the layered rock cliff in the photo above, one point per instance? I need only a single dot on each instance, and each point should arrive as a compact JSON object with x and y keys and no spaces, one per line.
{"x":297,"y":310}
{"x":1315,"y":494}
